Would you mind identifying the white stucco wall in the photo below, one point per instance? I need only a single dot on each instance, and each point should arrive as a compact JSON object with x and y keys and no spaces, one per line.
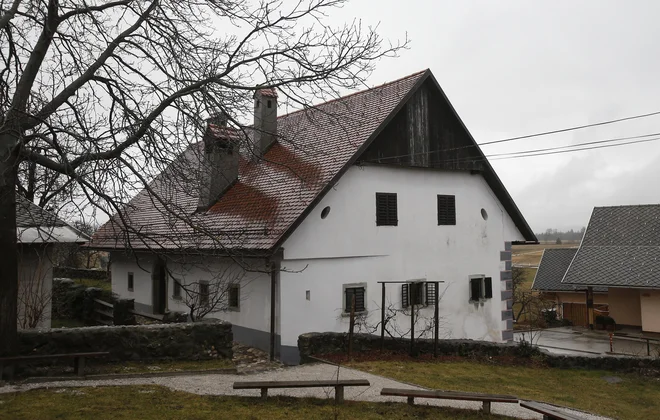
{"x":348,"y":247}
{"x":35,"y":282}
{"x":254,"y":312}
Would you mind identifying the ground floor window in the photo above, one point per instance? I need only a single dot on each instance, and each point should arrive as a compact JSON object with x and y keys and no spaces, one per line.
{"x":354,"y":293}
{"x":234,"y":297}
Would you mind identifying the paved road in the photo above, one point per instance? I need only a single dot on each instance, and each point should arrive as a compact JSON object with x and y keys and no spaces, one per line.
{"x":566,"y":341}
{"x":222,"y":385}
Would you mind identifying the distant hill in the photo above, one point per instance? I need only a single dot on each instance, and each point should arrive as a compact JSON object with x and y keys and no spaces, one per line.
{"x":552,"y":235}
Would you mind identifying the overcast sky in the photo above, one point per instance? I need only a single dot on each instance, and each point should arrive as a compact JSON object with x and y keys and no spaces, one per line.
{"x":518,"y":67}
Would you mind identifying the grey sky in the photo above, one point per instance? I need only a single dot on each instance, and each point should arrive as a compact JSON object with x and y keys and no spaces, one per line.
{"x":518,"y":67}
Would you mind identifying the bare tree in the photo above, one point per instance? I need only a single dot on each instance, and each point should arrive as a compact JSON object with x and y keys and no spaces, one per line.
{"x":34,"y":291}
{"x":221,"y":291}
{"x":99,"y":96}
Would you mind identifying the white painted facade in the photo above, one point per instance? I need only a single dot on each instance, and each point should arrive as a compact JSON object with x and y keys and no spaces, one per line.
{"x":323,"y":255}
{"x":348,"y":247}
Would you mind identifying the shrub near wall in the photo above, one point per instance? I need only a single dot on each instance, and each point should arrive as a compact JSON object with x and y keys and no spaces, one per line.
{"x":319,"y":344}
{"x":80,"y":273}
{"x":193,"y":341}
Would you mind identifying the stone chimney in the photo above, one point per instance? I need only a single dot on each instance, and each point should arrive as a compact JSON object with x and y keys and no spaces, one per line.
{"x":219,"y":169}
{"x":265,"y":121}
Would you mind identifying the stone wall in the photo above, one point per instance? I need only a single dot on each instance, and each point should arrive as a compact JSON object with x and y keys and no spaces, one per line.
{"x":318,"y":344}
{"x":191,"y":341}
{"x":80,"y":273}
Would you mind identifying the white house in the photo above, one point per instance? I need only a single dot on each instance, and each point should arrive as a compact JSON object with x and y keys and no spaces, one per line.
{"x":318,"y":206}
{"x":37,"y":232}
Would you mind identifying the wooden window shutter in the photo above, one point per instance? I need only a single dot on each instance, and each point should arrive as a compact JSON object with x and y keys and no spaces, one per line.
{"x":446,"y":210}
{"x":386,"y":209}
{"x":358,"y":292}
{"x":488,"y":287}
{"x":405,"y":302}
{"x":430,"y":294}
{"x":475,"y":289}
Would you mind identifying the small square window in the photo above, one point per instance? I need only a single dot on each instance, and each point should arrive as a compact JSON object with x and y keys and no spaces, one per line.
{"x":446,"y":210}
{"x":481,"y":288}
{"x":234,"y":296}
{"x":349,"y":294}
{"x":386,"y":209}
{"x":176,"y":289}
{"x":130,"y":282}
{"x":204,"y":293}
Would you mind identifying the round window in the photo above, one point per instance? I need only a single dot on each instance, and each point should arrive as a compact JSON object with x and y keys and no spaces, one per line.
{"x":484,"y":214}
{"x":325,"y":212}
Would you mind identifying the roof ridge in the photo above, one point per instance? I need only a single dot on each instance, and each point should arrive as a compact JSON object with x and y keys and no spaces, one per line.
{"x":341,"y":98}
{"x":627,"y":205}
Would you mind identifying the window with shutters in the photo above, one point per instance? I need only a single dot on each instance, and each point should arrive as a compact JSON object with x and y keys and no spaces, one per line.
{"x":357,"y":293}
{"x":446,"y":210}
{"x":481,"y":288}
{"x":386,"y":209}
{"x":418,"y":293}
{"x":234,"y":297}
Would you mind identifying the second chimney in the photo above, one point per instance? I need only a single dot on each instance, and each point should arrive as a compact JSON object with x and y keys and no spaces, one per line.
{"x":219,"y":162}
{"x":265,"y":121}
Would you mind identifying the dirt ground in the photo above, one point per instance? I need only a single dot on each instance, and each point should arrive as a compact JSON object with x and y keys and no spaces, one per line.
{"x":531,"y":254}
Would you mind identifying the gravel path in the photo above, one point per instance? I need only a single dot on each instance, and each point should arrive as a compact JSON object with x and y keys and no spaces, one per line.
{"x":222,"y":385}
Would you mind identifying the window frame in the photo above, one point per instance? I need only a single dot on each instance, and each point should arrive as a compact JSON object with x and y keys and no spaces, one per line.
{"x":202,"y":301}
{"x":344,"y":307}
{"x":449,"y":206}
{"x":389,"y":219}
{"x":485,"y":288}
{"x":237,"y":288}
{"x":130,"y":281}
{"x":176,"y":289}
{"x":423,"y":293}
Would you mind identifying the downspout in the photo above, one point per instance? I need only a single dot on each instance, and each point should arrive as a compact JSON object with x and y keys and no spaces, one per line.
{"x":274,"y":276}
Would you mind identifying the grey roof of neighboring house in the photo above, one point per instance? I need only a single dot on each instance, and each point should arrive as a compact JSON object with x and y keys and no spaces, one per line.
{"x":552,"y":268}
{"x":620,"y":248}
{"x":29,"y":214}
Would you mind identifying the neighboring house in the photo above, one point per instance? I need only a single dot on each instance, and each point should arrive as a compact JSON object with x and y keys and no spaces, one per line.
{"x":320,"y":205}
{"x":570,"y":300}
{"x":37,"y":232}
{"x":620,"y":251}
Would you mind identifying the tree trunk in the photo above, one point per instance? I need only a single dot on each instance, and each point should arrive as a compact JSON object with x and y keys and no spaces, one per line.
{"x":8,"y":246}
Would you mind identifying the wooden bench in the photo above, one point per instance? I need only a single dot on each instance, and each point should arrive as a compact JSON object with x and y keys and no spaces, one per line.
{"x":487,"y":399}
{"x":549,"y":412}
{"x":338,"y":385}
{"x":78,"y":360}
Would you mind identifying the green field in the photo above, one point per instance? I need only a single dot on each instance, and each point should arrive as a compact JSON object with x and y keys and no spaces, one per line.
{"x":634,"y":398}
{"x":159,"y":403}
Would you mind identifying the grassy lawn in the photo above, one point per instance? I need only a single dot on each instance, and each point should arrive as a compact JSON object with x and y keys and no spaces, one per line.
{"x":158,"y":403}
{"x":101,"y":284}
{"x":634,"y":398}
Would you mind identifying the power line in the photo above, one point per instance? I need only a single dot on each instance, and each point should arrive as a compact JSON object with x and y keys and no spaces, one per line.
{"x":533,"y":152}
{"x":578,"y":127}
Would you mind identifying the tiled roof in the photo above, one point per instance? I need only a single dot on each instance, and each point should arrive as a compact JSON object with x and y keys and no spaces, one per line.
{"x":29,"y":214}
{"x":621,"y":248}
{"x":271,"y":194}
{"x":553,"y":266}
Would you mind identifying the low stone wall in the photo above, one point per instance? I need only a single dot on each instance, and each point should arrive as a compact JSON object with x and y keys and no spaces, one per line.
{"x":191,"y":341}
{"x":80,"y":273}
{"x":318,"y":344}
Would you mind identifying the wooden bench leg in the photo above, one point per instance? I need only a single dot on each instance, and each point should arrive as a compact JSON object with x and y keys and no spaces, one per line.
{"x":339,"y":394}
{"x":264,"y":393}
{"x":487,"y":407}
{"x":411,"y":400}
{"x":79,"y":366}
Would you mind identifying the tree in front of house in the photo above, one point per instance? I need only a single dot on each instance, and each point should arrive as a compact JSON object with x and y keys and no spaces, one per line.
{"x":97,"y":97}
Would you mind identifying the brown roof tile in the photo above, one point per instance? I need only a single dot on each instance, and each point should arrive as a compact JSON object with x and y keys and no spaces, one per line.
{"x":271,"y":194}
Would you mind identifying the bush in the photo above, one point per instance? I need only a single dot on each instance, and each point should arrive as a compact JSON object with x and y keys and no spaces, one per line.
{"x":605,"y":320}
